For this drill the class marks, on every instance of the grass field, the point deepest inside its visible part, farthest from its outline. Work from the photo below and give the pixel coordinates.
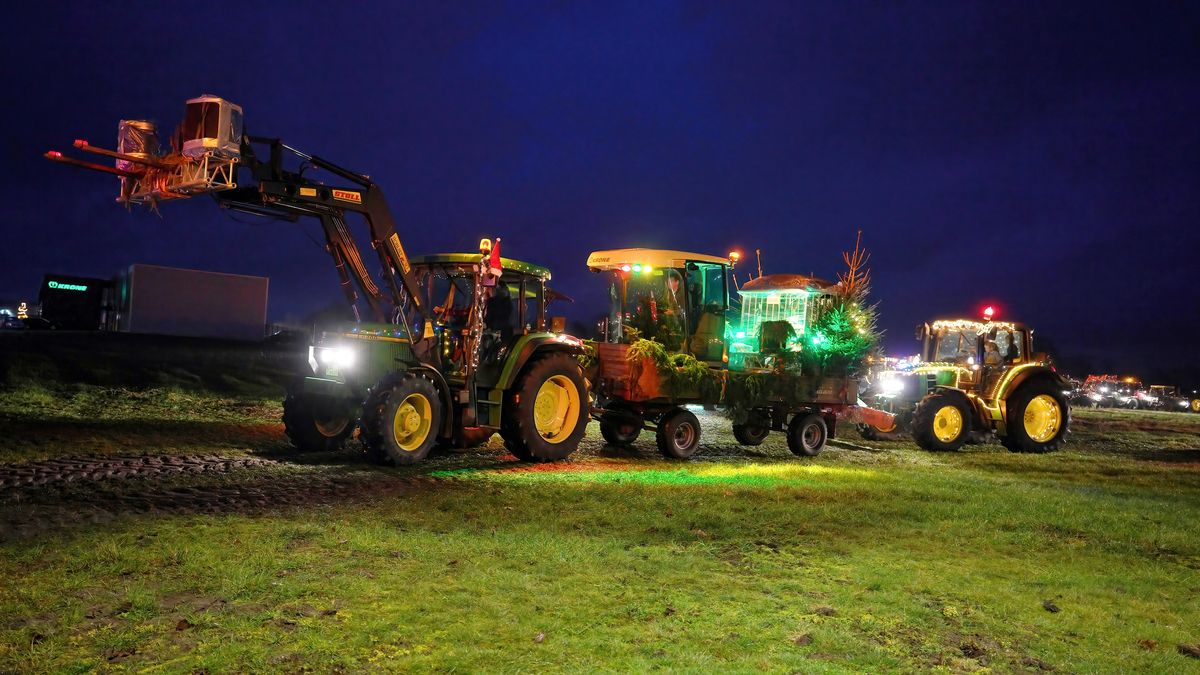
(872, 557)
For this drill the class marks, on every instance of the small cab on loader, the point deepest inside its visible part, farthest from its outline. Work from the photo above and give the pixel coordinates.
(975, 378)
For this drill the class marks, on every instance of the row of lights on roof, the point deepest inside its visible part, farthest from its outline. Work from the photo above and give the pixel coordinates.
(646, 269)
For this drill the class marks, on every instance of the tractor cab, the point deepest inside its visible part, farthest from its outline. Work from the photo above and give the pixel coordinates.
(967, 352)
(675, 297)
(514, 306)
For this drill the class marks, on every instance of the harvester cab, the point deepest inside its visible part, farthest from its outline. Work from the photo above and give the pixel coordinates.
(417, 372)
(975, 378)
(677, 298)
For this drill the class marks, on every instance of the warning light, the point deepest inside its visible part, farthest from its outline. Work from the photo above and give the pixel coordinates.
(989, 312)
(735, 256)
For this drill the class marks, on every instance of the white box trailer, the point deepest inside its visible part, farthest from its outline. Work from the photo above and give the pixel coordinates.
(192, 303)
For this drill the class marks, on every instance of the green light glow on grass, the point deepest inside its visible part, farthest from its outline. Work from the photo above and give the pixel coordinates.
(754, 475)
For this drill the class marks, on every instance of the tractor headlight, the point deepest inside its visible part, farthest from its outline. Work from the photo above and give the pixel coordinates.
(892, 385)
(1183, 404)
(1094, 397)
(341, 356)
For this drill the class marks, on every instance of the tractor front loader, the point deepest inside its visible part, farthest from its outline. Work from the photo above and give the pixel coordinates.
(417, 372)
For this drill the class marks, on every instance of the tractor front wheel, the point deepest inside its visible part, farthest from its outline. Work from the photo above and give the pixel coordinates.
(941, 422)
(1038, 417)
(547, 413)
(312, 426)
(402, 419)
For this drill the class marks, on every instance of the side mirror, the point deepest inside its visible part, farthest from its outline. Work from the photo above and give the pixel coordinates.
(558, 324)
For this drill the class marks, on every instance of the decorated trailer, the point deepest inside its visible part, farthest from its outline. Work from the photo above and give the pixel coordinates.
(672, 339)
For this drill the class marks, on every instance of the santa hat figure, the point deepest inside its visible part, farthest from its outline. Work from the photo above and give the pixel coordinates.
(494, 267)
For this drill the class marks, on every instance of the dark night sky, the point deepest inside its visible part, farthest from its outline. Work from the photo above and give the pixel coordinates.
(1044, 155)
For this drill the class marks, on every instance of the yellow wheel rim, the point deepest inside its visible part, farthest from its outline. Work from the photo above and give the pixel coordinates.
(413, 420)
(556, 409)
(1196, 405)
(947, 424)
(1043, 418)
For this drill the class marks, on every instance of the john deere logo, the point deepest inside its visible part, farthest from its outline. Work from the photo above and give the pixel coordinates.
(58, 285)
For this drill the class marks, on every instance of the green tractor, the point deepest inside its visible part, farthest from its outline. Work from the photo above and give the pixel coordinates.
(528, 385)
(975, 379)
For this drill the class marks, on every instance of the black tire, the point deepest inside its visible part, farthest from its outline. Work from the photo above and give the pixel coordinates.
(678, 434)
(310, 428)
(619, 427)
(562, 427)
(933, 432)
(753, 432)
(807, 434)
(402, 441)
(1028, 430)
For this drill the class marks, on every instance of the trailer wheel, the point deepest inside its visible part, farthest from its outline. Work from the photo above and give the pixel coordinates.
(619, 427)
(806, 434)
(678, 434)
(310, 427)
(941, 422)
(1038, 419)
(753, 432)
(402, 417)
(548, 410)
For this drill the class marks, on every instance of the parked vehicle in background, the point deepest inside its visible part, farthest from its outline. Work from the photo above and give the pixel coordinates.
(1169, 398)
(1112, 391)
(40, 323)
(11, 323)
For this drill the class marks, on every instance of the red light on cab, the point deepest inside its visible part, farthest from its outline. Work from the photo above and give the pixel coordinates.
(989, 312)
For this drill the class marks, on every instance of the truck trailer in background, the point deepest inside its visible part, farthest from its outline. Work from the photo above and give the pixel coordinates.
(74, 303)
(192, 303)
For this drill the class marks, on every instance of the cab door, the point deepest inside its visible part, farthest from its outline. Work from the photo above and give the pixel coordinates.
(708, 300)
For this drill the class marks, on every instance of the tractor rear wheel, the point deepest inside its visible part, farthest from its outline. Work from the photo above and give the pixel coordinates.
(941, 422)
(311, 426)
(678, 434)
(619, 427)
(402, 418)
(547, 412)
(807, 434)
(1038, 418)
